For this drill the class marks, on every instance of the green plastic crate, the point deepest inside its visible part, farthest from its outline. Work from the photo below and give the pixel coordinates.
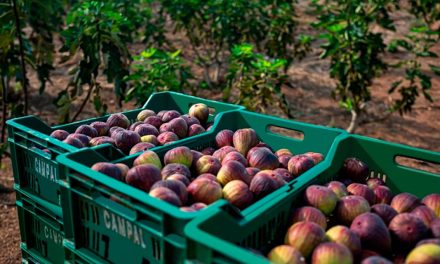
(37, 171)
(158, 224)
(41, 234)
(221, 236)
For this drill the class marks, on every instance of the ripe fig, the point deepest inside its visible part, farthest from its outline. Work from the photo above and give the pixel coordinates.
(108, 169)
(263, 159)
(425, 214)
(126, 139)
(435, 227)
(362, 190)
(176, 186)
(308, 213)
(338, 188)
(59, 134)
(253, 149)
(74, 142)
(191, 120)
(282, 152)
(170, 115)
(433, 202)
(124, 170)
(343, 235)
(178, 177)
(165, 127)
(182, 155)
(384, 211)
(365, 253)
(332, 253)
(143, 176)
(355, 169)
(161, 113)
(321, 197)
(141, 147)
(234, 155)
(404, 202)
(146, 129)
(205, 191)
(284, 254)
(100, 127)
(224, 138)
(102, 140)
(252, 171)
(119, 120)
(148, 157)
(407, 229)
(174, 168)
(265, 182)
(285, 174)
(199, 206)
(154, 121)
(166, 195)
(113, 130)
(426, 254)
(435, 241)
(376, 260)
(144, 114)
(372, 231)
(87, 130)
(316, 157)
(299, 164)
(150, 139)
(199, 111)
(207, 164)
(382, 194)
(237, 193)
(209, 126)
(244, 139)
(166, 138)
(179, 127)
(208, 151)
(85, 140)
(188, 209)
(134, 125)
(207, 176)
(233, 170)
(195, 129)
(374, 182)
(304, 236)
(349, 207)
(196, 156)
(284, 160)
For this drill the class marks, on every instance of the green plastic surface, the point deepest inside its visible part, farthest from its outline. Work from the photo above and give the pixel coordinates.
(37, 172)
(222, 237)
(102, 210)
(41, 234)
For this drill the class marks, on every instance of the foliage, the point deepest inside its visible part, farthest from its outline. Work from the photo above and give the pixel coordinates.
(156, 70)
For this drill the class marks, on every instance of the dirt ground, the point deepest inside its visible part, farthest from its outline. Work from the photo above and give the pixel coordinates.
(310, 101)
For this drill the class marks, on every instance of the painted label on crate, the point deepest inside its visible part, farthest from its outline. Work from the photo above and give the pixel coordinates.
(51, 234)
(45, 169)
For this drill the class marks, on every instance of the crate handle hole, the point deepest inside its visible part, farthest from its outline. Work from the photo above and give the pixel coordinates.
(286, 132)
(418, 164)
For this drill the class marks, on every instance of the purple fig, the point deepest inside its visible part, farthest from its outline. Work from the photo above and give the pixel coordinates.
(253, 149)
(355, 169)
(233, 170)
(199, 206)
(263, 159)
(372, 231)
(224, 138)
(284, 160)
(252, 171)
(282, 152)
(208, 151)
(404, 202)
(141, 147)
(305, 236)
(113, 130)
(199, 111)
(102, 140)
(265, 182)
(59, 134)
(343, 235)
(237, 193)
(150, 139)
(285, 174)
(166, 195)
(166, 138)
(134, 125)
(207, 176)
(182, 155)
(376, 260)
(87, 130)
(286, 254)
(146, 129)
(330, 252)
(384, 211)
(174, 168)
(161, 113)
(195, 129)
(244, 139)
(435, 241)
(179, 127)
(234, 155)
(144, 114)
(85, 140)
(154, 121)
(205, 191)
(100, 127)
(108, 169)
(365, 253)
(74, 142)
(308, 213)
(299, 164)
(143, 176)
(349, 207)
(338, 188)
(170, 115)
(221, 153)
(426, 254)
(124, 170)
(191, 120)
(126, 139)
(119, 120)
(207, 164)
(425, 214)
(209, 126)
(374, 182)
(382, 194)
(178, 177)
(196, 157)
(315, 156)
(433, 202)
(321, 197)
(148, 157)
(176, 186)
(165, 127)
(362, 190)
(406, 229)
(435, 227)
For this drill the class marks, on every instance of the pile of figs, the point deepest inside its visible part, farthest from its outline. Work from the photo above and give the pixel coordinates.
(151, 129)
(241, 169)
(356, 220)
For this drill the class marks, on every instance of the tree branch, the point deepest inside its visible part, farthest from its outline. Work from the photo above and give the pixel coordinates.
(353, 123)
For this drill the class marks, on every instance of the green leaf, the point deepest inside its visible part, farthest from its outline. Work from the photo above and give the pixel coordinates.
(435, 69)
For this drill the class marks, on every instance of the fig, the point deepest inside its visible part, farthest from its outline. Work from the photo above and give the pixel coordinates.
(308, 213)
(209, 126)
(85, 140)
(176, 186)
(150, 139)
(74, 142)
(112, 131)
(299, 164)
(143, 176)
(233, 170)
(196, 156)
(126, 139)
(124, 170)
(429, 241)
(425, 214)
(154, 121)
(87, 130)
(404, 202)
(208, 151)
(166, 138)
(435, 227)
(373, 232)
(349, 207)
(191, 120)
(284, 160)
(179, 177)
(221, 153)
(102, 140)
(199, 111)
(119, 120)
(384, 211)
(265, 182)
(263, 159)
(108, 169)
(426, 254)
(355, 169)
(234, 155)
(343, 235)
(382, 194)
(146, 129)
(198, 206)
(237, 193)
(433, 202)
(282, 152)
(195, 129)
(207, 176)
(166, 195)
(101, 127)
(374, 182)
(285, 174)
(224, 138)
(407, 229)
(321, 197)
(204, 191)
(182, 155)
(148, 157)
(332, 253)
(170, 115)
(174, 168)
(338, 188)
(304, 236)
(244, 139)
(376, 260)
(134, 125)
(362, 190)
(187, 209)
(315, 156)
(365, 253)
(161, 113)
(144, 114)
(285, 254)
(59, 134)
(141, 147)
(165, 127)
(261, 144)
(207, 164)
(179, 127)
(252, 171)
(253, 149)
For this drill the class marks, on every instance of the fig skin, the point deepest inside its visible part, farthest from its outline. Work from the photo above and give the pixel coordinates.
(113, 130)
(166, 138)
(207, 164)
(406, 229)
(140, 147)
(382, 194)
(282, 152)
(154, 121)
(252, 171)
(85, 140)
(263, 159)
(234, 155)
(221, 152)
(170, 115)
(435, 227)
(207, 176)
(315, 156)
(224, 138)
(178, 177)
(373, 232)
(299, 164)
(374, 182)
(179, 127)
(244, 139)
(433, 202)
(285, 174)
(191, 120)
(355, 169)
(102, 140)
(238, 194)
(101, 127)
(284, 160)
(350, 207)
(338, 188)
(108, 169)
(143, 176)
(146, 129)
(124, 170)
(182, 155)
(126, 139)
(74, 142)
(376, 260)
(426, 254)
(330, 252)
(425, 214)
(148, 157)
(384, 211)
(174, 185)
(304, 236)
(199, 111)
(87, 130)
(232, 170)
(343, 235)
(150, 139)
(166, 195)
(404, 202)
(198, 206)
(195, 129)
(59, 134)
(322, 198)
(362, 190)
(119, 120)
(205, 191)
(285, 254)
(265, 182)
(208, 151)
(144, 114)
(309, 213)
(174, 168)
(429, 241)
